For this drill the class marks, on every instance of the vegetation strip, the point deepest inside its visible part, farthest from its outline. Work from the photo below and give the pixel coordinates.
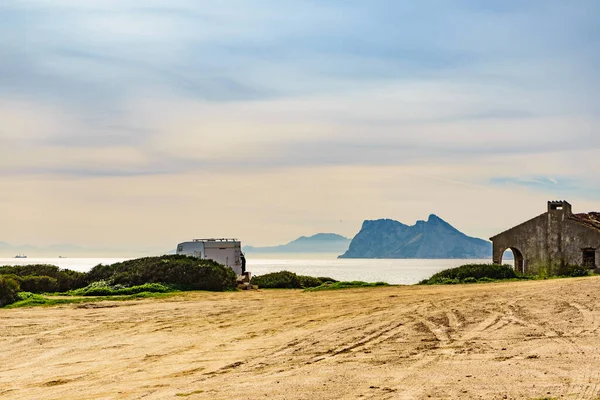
(345, 285)
(26, 299)
(480, 273)
(24, 286)
(142, 277)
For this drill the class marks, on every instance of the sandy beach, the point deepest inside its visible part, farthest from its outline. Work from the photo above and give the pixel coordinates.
(536, 339)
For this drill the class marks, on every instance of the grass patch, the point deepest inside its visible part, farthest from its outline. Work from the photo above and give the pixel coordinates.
(102, 288)
(345, 285)
(473, 273)
(27, 299)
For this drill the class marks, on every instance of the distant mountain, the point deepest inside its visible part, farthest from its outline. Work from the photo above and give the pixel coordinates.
(8, 250)
(434, 238)
(319, 243)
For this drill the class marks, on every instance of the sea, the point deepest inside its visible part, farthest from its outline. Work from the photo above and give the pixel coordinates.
(393, 271)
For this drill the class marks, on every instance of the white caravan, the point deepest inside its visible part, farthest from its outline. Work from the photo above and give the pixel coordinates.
(227, 252)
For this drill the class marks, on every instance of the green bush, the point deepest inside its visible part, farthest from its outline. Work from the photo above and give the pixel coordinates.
(574, 271)
(469, 279)
(183, 271)
(9, 288)
(38, 284)
(102, 272)
(288, 280)
(476, 271)
(278, 280)
(309, 281)
(31, 269)
(65, 279)
(69, 280)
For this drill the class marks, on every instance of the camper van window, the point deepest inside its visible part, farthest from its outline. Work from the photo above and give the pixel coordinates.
(180, 247)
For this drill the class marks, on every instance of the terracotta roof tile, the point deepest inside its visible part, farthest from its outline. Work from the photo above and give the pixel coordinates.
(591, 220)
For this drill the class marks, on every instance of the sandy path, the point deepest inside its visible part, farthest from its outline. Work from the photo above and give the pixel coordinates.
(519, 340)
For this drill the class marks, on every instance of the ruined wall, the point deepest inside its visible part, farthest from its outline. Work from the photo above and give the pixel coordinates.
(548, 243)
(530, 239)
(576, 238)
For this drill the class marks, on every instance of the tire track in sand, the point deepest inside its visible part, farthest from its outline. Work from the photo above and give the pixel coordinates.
(581, 390)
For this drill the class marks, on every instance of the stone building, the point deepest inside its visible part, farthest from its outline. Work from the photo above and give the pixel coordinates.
(552, 241)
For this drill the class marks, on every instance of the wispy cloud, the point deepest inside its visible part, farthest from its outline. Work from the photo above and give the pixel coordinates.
(493, 96)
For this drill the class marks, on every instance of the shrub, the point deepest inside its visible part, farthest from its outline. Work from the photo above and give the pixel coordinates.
(66, 279)
(574, 271)
(127, 277)
(69, 280)
(476, 271)
(278, 280)
(9, 289)
(186, 272)
(38, 284)
(31, 269)
(102, 272)
(309, 281)
(469, 279)
(288, 280)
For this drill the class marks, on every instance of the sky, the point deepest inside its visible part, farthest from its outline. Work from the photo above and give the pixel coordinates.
(138, 124)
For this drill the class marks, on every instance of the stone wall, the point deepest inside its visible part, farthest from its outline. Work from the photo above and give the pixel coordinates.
(548, 243)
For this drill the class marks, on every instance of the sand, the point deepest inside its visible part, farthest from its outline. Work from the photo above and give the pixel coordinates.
(505, 340)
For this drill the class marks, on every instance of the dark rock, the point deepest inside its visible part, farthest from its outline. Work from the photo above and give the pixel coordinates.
(434, 239)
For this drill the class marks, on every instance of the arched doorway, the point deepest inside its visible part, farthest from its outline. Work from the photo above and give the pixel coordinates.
(519, 261)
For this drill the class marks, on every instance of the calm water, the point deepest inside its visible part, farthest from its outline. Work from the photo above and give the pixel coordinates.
(391, 271)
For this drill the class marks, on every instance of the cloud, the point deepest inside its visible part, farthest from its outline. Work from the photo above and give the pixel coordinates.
(489, 97)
